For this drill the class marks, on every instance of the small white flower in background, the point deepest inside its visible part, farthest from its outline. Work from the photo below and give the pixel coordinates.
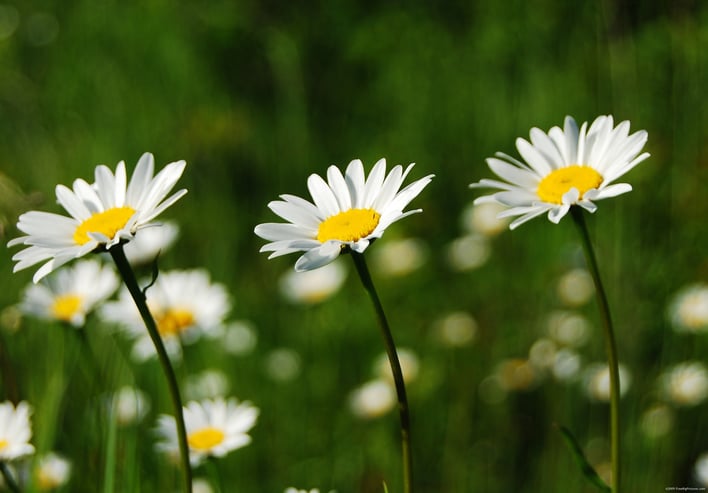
(239, 338)
(566, 366)
(568, 328)
(102, 214)
(206, 384)
(685, 384)
(52, 471)
(313, 286)
(397, 258)
(214, 427)
(151, 242)
(468, 252)
(597, 381)
(70, 294)
(657, 421)
(130, 405)
(15, 431)
(517, 375)
(575, 287)
(201, 485)
(282, 364)
(484, 219)
(562, 168)
(688, 309)
(184, 304)
(349, 212)
(542, 354)
(373, 399)
(410, 365)
(700, 470)
(456, 329)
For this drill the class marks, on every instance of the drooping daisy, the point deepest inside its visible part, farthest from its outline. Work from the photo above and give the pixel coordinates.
(349, 211)
(564, 167)
(52, 471)
(214, 428)
(15, 431)
(184, 304)
(101, 214)
(70, 294)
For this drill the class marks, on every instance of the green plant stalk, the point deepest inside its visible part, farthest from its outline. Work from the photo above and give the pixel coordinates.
(131, 283)
(9, 480)
(610, 346)
(363, 271)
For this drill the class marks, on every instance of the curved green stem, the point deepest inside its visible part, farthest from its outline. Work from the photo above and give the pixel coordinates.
(610, 345)
(131, 283)
(365, 277)
(9, 480)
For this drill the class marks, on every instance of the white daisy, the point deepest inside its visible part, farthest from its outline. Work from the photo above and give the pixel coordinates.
(184, 304)
(214, 428)
(70, 294)
(349, 211)
(564, 167)
(52, 471)
(101, 214)
(15, 431)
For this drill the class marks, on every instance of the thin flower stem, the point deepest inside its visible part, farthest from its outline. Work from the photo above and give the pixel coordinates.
(214, 474)
(610, 346)
(131, 283)
(363, 271)
(9, 480)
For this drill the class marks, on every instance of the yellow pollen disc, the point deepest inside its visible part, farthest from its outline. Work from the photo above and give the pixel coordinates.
(174, 321)
(107, 222)
(558, 182)
(350, 225)
(206, 438)
(3, 444)
(65, 307)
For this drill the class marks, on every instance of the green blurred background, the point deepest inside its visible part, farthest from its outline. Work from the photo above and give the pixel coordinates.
(255, 96)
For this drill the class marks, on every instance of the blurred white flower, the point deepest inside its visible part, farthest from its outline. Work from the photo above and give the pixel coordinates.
(483, 219)
(214, 428)
(152, 241)
(52, 471)
(688, 309)
(282, 364)
(456, 329)
(410, 365)
(206, 384)
(657, 421)
(468, 252)
(568, 328)
(15, 431)
(373, 399)
(701, 469)
(184, 304)
(575, 287)
(398, 258)
(566, 366)
(201, 485)
(313, 286)
(542, 353)
(70, 294)
(517, 374)
(597, 381)
(685, 384)
(239, 338)
(130, 405)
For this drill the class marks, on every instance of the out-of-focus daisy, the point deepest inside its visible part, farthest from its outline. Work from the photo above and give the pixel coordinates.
(575, 287)
(101, 214)
(685, 384)
(542, 353)
(52, 471)
(566, 366)
(70, 294)
(214, 428)
(315, 286)
(207, 384)
(688, 310)
(349, 212)
(373, 399)
(201, 485)
(152, 241)
(657, 421)
(130, 405)
(517, 374)
(597, 381)
(239, 338)
(468, 252)
(15, 431)
(456, 329)
(410, 365)
(282, 364)
(184, 304)
(564, 167)
(701, 469)
(399, 257)
(483, 219)
(568, 328)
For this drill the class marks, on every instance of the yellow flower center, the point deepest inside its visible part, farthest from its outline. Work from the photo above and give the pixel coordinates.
(65, 307)
(559, 181)
(108, 222)
(350, 225)
(174, 321)
(206, 438)
(3, 443)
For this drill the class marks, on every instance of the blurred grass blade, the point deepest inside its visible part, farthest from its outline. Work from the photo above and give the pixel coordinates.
(585, 467)
(110, 466)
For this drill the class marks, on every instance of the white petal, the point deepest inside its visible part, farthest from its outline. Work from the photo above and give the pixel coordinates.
(533, 157)
(354, 176)
(322, 195)
(317, 257)
(339, 187)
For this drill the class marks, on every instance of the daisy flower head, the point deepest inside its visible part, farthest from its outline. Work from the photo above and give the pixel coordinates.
(71, 294)
(348, 211)
(185, 305)
(563, 168)
(214, 428)
(101, 214)
(15, 431)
